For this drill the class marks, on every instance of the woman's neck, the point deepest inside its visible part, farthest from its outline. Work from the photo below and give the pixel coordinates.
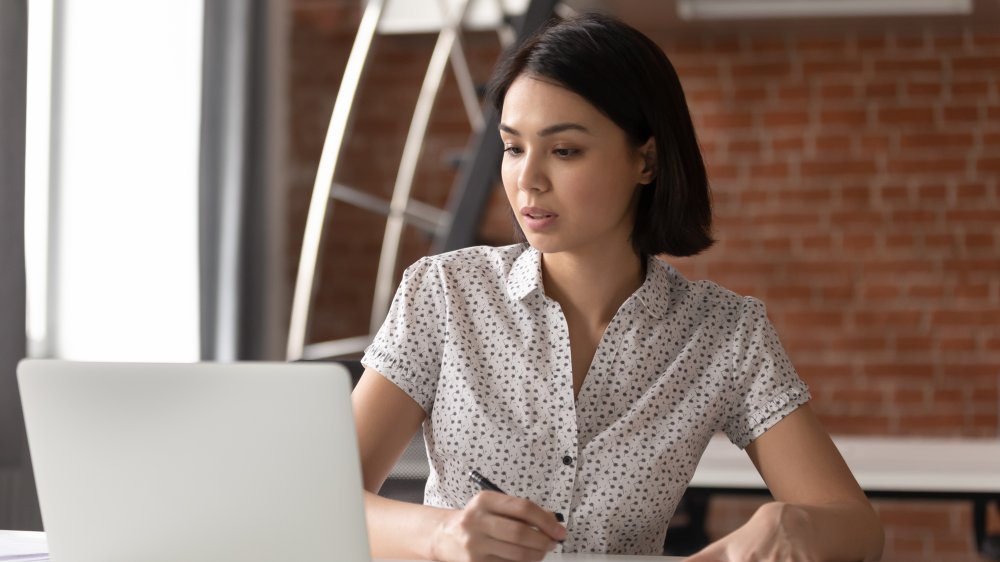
(592, 287)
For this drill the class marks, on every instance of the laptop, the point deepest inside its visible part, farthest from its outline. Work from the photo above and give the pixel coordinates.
(196, 462)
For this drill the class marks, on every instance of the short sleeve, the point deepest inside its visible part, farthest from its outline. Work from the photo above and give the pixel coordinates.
(407, 348)
(766, 387)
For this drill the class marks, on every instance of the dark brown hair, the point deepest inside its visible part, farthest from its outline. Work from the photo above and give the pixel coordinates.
(627, 77)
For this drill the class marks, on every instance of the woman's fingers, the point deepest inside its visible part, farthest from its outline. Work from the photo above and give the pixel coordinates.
(522, 510)
(495, 527)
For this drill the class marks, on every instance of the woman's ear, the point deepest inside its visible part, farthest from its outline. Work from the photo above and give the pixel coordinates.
(648, 154)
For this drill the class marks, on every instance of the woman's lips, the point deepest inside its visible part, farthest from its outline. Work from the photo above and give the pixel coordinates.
(536, 218)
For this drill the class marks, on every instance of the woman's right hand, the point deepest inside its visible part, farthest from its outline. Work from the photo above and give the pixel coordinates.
(495, 527)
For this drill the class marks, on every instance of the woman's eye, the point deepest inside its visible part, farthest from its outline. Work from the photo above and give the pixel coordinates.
(512, 150)
(565, 152)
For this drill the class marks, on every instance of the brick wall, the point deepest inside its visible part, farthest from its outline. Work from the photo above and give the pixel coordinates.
(855, 181)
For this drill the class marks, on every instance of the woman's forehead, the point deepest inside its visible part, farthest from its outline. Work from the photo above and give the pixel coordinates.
(534, 103)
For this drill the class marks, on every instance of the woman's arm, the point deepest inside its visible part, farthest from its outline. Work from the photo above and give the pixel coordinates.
(493, 526)
(820, 513)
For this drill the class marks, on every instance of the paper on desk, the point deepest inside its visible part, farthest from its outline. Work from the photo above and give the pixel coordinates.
(23, 546)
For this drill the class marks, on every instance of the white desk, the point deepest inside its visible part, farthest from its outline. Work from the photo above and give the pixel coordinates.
(882, 465)
(19, 542)
(588, 558)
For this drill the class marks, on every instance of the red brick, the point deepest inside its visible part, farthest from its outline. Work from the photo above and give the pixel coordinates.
(974, 267)
(973, 370)
(936, 140)
(744, 94)
(852, 117)
(872, 43)
(834, 293)
(908, 66)
(979, 240)
(926, 291)
(821, 44)
(930, 423)
(914, 343)
(957, 344)
(794, 92)
(832, 143)
(899, 267)
(911, 42)
(792, 118)
(959, 114)
(888, 318)
(858, 242)
(988, 164)
(856, 194)
(932, 193)
(979, 64)
(941, 165)
(857, 425)
(726, 120)
(907, 515)
(909, 396)
(990, 318)
(948, 42)
(989, 394)
(838, 91)
(923, 89)
(903, 240)
(769, 70)
(838, 167)
(867, 396)
(874, 142)
(972, 89)
(881, 292)
(768, 45)
(697, 71)
(704, 95)
(984, 38)
(850, 67)
(814, 318)
(906, 115)
(971, 191)
(881, 90)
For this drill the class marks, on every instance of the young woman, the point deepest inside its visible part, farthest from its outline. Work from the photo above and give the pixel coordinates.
(577, 372)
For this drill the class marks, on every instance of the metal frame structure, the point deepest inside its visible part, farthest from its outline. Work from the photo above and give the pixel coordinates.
(453, 228)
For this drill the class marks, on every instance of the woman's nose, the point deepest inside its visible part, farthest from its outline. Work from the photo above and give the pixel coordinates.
(532, 176)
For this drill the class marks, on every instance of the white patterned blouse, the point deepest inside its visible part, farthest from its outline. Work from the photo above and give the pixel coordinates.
(472, 338)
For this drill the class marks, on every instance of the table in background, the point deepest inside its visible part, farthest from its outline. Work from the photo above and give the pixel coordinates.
(918, 468)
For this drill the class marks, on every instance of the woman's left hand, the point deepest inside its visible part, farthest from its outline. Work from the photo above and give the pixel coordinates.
(777, 532)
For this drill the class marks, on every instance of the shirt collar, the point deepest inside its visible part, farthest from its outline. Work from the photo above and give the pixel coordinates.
(526, 276)
(654, 293)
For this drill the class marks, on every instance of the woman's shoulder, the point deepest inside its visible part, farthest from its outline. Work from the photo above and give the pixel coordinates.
(701, 294)
(498, 259)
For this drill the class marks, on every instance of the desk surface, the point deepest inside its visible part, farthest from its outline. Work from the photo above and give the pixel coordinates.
(589, 558)
(880, 464)
(25, 543)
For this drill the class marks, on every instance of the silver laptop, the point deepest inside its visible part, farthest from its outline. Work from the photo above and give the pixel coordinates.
(223, 462)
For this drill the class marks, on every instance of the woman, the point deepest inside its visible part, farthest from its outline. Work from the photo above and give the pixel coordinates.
(576, 371)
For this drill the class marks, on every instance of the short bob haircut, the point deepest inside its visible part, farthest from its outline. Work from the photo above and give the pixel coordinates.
(627, 77)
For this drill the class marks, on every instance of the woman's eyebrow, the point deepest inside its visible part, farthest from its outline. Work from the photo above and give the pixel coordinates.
(550, 130)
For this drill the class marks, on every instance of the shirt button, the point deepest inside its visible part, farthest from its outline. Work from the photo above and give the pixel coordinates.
(567, 460)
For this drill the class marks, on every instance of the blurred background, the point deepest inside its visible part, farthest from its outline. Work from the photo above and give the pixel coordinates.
(173, 148)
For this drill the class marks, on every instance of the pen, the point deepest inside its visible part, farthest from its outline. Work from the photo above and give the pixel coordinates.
(485, 484)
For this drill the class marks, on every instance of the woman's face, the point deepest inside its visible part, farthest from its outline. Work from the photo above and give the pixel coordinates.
(569, 172)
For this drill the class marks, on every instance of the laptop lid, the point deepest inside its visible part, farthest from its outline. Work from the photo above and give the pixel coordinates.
(195, 462)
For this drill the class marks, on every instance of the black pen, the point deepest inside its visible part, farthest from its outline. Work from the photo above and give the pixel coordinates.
(485, 484)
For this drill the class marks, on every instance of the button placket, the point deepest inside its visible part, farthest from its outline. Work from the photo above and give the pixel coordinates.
(568, 430)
